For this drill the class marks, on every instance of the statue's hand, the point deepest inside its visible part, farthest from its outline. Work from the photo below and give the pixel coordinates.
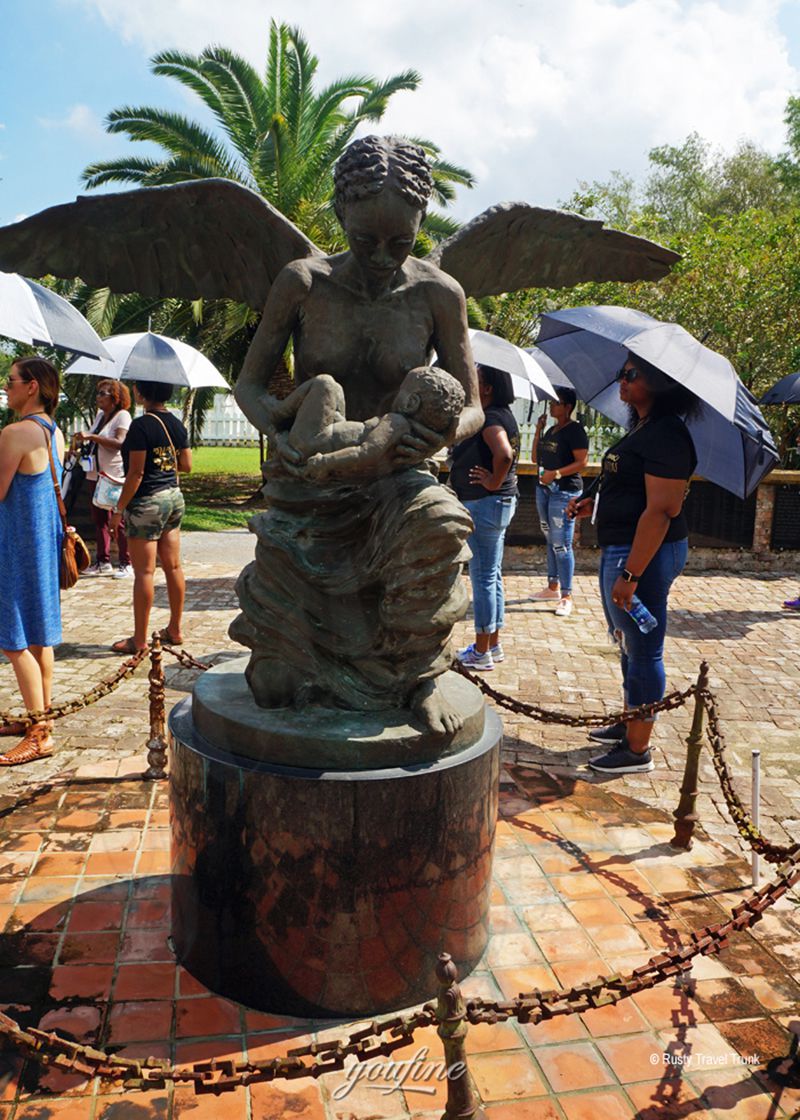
(417, 444)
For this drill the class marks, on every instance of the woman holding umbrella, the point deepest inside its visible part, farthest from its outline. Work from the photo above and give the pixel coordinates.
(484, 477)
(643, 534)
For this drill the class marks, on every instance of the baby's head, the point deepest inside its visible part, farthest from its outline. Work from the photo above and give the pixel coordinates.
(432, 396)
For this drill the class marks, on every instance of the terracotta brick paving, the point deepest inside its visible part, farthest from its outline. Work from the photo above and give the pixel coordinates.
(584, 883)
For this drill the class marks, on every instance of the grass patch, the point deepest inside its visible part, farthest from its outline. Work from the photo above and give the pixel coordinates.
(222, 491)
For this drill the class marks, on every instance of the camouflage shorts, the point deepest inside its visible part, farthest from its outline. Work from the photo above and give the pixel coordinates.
(149, 518)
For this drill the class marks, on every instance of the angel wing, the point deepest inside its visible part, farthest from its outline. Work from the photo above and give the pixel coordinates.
(217, 239)
(209, 238)
(513, 245)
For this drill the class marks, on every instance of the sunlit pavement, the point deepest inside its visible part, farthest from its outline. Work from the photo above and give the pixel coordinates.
(585, 882)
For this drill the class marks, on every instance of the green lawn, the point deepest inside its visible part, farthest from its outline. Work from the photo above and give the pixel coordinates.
(222, 490)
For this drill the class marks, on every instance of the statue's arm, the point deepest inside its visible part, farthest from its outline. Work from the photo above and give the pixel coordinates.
(266, 350)
(454, 352)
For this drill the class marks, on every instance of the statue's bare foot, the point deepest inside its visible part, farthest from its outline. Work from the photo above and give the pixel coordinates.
(436, 713)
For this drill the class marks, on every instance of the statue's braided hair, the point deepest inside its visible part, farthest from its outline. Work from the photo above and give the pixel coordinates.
(375, 162)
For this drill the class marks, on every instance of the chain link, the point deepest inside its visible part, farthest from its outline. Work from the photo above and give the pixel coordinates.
(772, 853)
(69, 707)
(185, 658)
(533, 1007)
(546, 715)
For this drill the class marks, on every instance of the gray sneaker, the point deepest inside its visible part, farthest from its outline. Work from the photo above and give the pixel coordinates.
(613, 734)
(622, 760)
(100, 569)
(124, 571)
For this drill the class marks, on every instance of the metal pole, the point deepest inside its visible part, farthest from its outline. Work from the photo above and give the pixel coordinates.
(686, 814)
(755, 809)
(157, 743)
(462, 1101)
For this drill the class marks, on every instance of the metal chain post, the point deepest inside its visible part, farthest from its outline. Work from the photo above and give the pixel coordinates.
(157, 743)
(686, 813)
(451, 1013)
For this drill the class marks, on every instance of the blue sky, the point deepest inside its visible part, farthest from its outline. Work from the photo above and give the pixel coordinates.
(543, 96)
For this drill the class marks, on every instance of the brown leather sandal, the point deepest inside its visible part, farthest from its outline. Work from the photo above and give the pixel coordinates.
(167, 639)
(38, 743)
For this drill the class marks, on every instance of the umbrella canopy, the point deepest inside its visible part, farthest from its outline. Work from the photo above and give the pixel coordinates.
(154, 357)
(528, 379)
(734, 446)
(33, 314)
(785, 391)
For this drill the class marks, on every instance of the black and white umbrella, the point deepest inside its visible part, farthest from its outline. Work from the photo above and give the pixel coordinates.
(154, 357)
(33, 314)
(528, 379)
(785, 391)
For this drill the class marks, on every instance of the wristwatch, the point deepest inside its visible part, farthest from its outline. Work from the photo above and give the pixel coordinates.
(557, 475)
(629, 577)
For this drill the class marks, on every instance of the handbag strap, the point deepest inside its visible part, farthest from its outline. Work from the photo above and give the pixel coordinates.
(172, 445)
(49, 441)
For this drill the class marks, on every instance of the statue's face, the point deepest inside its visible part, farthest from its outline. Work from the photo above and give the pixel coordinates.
(381, 232)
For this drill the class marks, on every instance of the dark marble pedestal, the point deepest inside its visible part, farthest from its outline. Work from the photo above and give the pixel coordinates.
(329, 892)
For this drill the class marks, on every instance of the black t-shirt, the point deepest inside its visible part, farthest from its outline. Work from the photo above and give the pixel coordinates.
(662, 448)
(475, 452)
(146, 434)
(557, 447)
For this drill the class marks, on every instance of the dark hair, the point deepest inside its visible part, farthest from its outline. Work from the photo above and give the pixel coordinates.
(158, 391)
(46, 376)
(669, 397)
(566, 395)
(500, 384)
(118, 391)
(370, 165)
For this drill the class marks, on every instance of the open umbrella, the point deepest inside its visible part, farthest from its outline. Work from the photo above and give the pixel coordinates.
(785, 391)
(734, 446)
(528, 379)
(154, 357)
(33, 314)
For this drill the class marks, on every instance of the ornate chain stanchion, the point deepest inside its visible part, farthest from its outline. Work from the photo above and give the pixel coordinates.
(157, 743)
(451, 1012)
(686, 813)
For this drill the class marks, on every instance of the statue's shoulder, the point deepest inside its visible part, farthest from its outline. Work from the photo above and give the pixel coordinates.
(441, 284)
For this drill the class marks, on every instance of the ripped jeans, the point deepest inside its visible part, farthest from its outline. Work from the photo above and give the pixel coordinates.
(558, 532)
(641, 655)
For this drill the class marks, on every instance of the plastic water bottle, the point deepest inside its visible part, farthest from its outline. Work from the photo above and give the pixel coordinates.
(642, 616)
(550, 485)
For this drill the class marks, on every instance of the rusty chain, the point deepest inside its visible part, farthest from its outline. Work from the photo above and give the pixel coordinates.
(69, 707)
(218, 1074)
(185, 658)
(772, 853)
(535, 1006)
(669, 703)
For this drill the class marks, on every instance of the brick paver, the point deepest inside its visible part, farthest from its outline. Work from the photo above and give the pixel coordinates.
(584, 882)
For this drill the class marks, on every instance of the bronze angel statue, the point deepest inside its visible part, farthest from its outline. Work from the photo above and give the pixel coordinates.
(356, 583)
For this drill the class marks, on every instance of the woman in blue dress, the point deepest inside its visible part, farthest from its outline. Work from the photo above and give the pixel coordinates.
(30, 547)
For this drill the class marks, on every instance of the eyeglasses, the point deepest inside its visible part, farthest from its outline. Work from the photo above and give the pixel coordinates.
(628, 374)
(15, 381)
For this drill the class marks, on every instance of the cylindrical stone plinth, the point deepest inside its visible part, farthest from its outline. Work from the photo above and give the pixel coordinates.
(329, 892)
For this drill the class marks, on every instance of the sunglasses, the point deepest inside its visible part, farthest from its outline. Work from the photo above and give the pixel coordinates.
(628, 374)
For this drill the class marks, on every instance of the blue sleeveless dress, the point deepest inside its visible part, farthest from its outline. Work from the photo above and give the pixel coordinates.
(30, 555)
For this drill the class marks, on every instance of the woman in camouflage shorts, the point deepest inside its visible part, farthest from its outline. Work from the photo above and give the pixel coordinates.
(155, 451)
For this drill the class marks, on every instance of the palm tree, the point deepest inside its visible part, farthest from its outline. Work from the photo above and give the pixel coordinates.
(280, 137)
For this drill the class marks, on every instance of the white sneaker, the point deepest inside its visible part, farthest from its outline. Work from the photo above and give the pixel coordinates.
(564, 608)
(124, 571)
(471, 659)
(104, 569)
(545, 595)
(497, 653)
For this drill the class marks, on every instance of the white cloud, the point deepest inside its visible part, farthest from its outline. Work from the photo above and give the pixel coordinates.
(529, 95)
(80, 120)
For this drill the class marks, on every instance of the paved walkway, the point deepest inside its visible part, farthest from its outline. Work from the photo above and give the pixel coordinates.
(585, 883)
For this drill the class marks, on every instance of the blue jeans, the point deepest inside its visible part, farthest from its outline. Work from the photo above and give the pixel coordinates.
(490, 518)
(642, 655)
(558, 532)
